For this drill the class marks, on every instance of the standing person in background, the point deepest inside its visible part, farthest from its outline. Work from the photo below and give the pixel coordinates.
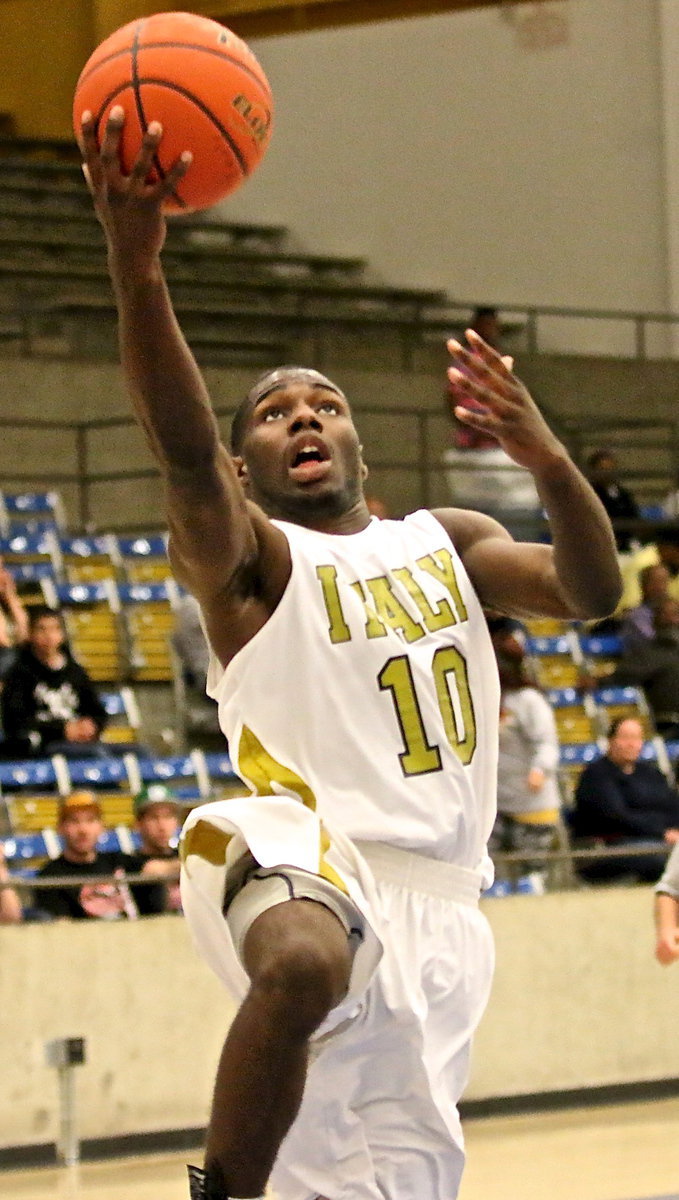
(620, 504)
(528, 798)
(357, 688)
(666, 911)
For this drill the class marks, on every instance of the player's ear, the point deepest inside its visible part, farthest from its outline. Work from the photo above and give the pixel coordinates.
(240, 467)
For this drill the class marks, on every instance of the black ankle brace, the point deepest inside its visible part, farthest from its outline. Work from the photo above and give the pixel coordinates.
(204, 1186)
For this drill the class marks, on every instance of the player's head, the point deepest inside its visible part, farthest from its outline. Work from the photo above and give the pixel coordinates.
(296, 447)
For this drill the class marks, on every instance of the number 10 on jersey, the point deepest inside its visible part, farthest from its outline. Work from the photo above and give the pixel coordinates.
(449, 670)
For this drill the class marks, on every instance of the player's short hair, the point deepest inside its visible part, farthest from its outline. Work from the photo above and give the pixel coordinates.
(241, 417)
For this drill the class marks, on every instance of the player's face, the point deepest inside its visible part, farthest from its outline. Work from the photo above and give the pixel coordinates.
(157, 826)
(301, 453)
(81, 830)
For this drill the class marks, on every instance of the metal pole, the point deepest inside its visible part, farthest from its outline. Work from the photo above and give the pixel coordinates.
(68, 1146)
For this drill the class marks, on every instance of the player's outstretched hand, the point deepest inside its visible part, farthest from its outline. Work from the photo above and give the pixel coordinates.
(128, 207)
(507, 410)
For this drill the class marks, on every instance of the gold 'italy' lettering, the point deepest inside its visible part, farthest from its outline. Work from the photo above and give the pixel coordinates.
(434, 618)
(442, 567)
(338, 629)
(391, 611)
(374, 628)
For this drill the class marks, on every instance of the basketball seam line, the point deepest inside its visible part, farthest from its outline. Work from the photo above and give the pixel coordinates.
(188, 96)
(140, 109)
(236, 62)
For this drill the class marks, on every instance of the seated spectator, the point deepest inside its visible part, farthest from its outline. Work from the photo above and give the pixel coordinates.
(637, 623)
(665, 550)
(49, 703)
(13, 621)
(620, 504)
(157, 811)
(528, 798)
(666, 911)
(190, 643)
(622, 801)
(10, 904)
(653, 664)
(80, 827)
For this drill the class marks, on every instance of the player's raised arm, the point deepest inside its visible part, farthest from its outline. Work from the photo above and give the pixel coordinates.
(216, 538)
(578, 575)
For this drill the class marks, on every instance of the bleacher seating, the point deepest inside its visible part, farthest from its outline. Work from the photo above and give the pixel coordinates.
(90, 559)
(91, 616)
(147, 610)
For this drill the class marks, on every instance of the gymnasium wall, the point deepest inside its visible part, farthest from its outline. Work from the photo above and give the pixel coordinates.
(578, 1001)
(438, 147)
(451, 156)
(39, 390)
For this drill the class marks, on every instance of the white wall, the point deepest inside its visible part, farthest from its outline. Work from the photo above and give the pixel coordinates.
(449, 156)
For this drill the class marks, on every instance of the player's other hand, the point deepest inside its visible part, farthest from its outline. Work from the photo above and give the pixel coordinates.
(507, 411)
(667, 948)
(128, 206)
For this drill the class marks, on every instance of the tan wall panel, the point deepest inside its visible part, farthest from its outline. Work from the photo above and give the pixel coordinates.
(134, 503)
(578, 1001)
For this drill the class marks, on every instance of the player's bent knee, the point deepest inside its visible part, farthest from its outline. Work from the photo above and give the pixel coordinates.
(295, 933)
(304, 975)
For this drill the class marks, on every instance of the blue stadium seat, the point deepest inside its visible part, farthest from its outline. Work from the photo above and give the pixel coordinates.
(565, 697)
(608, 696)
(604, 646)
(219, 767)
(578, 754)
(548, 645)
(28, 773)
(97, 772)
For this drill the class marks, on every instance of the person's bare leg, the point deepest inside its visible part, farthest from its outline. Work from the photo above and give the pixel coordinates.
(298, 959)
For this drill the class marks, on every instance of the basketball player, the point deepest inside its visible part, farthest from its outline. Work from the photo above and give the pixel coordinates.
(357, 688)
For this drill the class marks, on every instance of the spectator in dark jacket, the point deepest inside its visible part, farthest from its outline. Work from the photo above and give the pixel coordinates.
(620, 504)
(653, 664)
(621, 800)
(49, 703)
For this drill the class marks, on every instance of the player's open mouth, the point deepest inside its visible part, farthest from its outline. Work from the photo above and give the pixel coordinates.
(310, 461)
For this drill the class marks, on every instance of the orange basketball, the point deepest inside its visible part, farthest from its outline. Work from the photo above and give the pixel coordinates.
(201, 82)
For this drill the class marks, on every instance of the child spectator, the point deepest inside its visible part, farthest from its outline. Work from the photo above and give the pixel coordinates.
(49, 703)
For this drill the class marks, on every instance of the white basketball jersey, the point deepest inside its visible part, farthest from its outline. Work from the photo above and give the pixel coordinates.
(371, 693)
